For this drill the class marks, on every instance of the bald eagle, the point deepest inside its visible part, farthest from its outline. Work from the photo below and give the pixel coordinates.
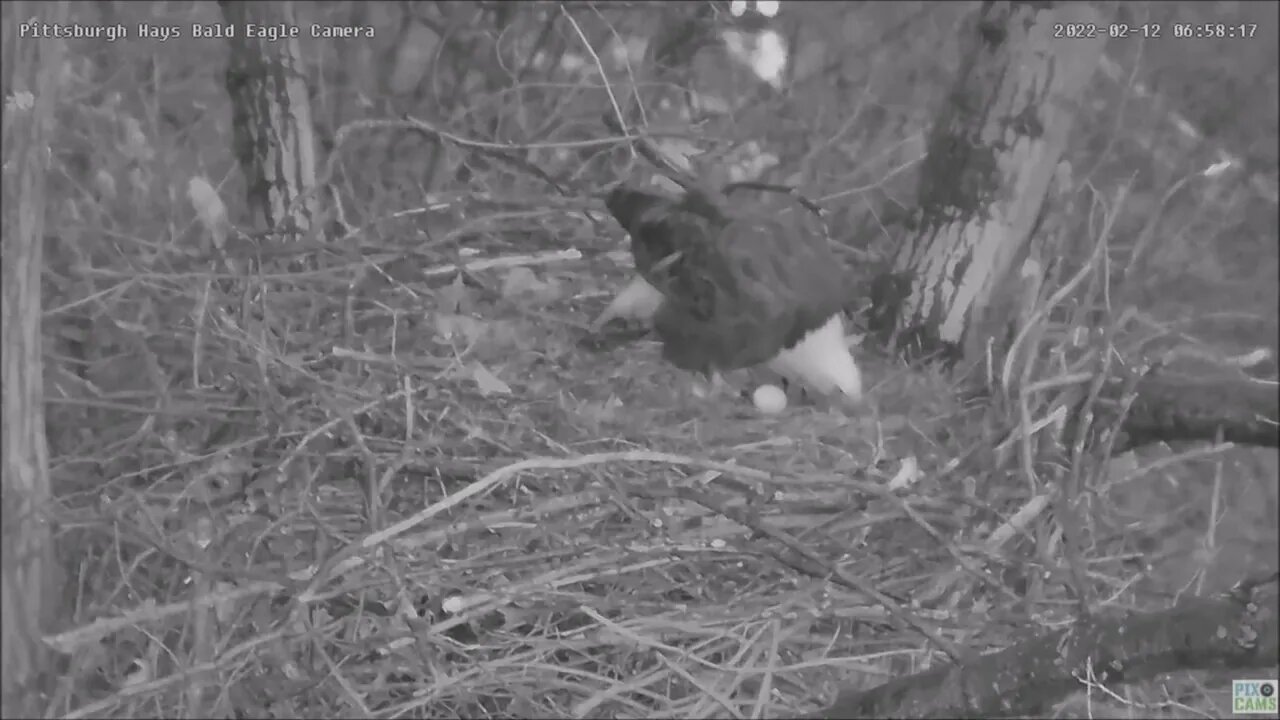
(726, 291)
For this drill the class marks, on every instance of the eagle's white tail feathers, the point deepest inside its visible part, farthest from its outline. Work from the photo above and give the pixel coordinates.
(637, 301)
(822, 361)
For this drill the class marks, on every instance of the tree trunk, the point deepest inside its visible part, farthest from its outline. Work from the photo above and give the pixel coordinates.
(991, 158)
(30, 589)
(271, 117)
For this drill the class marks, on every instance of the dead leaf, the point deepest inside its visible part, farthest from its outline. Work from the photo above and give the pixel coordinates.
(225, 610)
(487, 382)
(520, 281)
(603, 411)
(209, 209)
(105, 184)
(451, 327)
(907, 475)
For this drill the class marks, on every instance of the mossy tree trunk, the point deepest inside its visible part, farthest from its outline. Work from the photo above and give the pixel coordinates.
(271, 117)
(991, 158)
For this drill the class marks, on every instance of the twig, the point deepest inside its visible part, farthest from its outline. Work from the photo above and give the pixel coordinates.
(651, 152)
(506, 261)
(604, 77)
(791, 190)
(347, 557)
(751, 520)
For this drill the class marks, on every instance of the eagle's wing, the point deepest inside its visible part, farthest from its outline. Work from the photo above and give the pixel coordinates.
(737, 290)
(789, 251)
(725, 307)
(815, 350)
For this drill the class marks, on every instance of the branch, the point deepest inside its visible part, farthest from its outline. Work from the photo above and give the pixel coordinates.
(1232, 630)
(505, 261)
(686, 179)
(1170, 408)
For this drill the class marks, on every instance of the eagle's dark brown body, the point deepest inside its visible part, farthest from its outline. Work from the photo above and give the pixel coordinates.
(740, 289)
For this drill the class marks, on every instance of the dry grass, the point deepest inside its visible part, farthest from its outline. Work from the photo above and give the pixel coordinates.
(334, 482)
(587, 540)
(555, 520)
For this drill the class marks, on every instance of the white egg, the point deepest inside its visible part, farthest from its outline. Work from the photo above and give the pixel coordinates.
(769, 399)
